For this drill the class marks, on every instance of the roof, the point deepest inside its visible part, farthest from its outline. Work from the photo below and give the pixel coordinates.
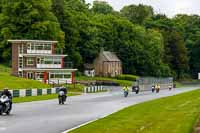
(35, 41)
(44, 55)
(89, 66)
(110, 56)
(49, 69)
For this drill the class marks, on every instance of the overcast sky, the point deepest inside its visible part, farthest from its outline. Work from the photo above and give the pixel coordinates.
(168, 7)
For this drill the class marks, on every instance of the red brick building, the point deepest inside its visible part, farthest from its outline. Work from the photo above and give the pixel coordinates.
(36, 59)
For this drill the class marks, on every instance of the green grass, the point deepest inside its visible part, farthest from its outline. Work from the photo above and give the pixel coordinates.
(121, 82)
(12, 82)
(175, 114)
(38, 98)
(75, 88)
(178, 84)
(6, 80)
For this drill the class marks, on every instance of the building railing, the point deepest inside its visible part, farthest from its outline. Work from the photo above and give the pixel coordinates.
(66, 65)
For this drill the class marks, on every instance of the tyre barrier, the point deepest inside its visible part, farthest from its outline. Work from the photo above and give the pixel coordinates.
(94, 89)
(33, 92)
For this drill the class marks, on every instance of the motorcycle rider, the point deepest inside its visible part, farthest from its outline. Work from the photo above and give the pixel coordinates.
(153, 88)
(9, 95)
(126, 90)
(170, 87)
(64, 89)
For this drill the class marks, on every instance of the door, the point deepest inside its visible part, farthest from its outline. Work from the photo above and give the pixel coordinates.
(30, 75)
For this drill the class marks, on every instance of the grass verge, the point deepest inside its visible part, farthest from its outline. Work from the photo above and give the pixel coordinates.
(120, 82)
(12, 82)
(6, 80)
(175, 114)
(39, 98)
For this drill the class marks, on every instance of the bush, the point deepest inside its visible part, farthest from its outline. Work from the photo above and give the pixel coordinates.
(126, 77)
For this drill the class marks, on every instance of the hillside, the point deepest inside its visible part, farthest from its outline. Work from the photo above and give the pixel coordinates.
(6, 80)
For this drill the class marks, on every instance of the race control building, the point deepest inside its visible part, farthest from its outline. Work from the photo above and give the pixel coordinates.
(37, 60)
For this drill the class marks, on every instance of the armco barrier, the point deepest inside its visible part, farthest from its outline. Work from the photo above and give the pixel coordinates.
(94, 89)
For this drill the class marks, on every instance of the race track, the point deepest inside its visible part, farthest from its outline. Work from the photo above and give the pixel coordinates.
(49, 117)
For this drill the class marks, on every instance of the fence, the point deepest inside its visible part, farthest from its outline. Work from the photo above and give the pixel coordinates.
(93, 89)
(146, 83)
(45, 91)
(33, 92)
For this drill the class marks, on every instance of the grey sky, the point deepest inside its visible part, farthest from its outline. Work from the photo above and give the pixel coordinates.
(168, 7)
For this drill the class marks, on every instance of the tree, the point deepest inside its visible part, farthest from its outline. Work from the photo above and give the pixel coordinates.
(137, 14)
(190, 29)
(27, 20)
(175, 52)
(102, 7)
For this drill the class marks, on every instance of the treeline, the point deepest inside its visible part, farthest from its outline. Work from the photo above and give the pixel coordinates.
(148, 44)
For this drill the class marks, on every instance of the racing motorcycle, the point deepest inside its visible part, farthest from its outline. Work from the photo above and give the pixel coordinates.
(61, 97)
(4, 105)
(125, 93)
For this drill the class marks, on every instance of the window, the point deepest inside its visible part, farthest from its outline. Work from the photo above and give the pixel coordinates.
(67, 76)
(60, 75)
(39, 46)
(20, 74)
(52, 76)
(38, 60)
(32, 47)
(29, 46)
(39, 75)
(30, 75)
(57, 61)
(47, 46)
(20, 62)
(48, 61)
(30, 61)
(41, 60)
(20, 49)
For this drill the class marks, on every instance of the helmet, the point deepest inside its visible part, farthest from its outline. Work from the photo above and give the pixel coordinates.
(5, 89)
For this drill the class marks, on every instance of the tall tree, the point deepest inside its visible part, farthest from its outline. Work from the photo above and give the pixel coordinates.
(28, 20)
(175, 52)
(137, 13)
(102, 7)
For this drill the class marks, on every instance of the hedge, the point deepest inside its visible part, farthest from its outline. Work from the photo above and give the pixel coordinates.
(126, 77)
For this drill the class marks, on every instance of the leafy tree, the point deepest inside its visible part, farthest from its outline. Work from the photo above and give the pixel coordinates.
(137, 14)
(175, 52)
(190, 29)
(27, 20)
(102, 7)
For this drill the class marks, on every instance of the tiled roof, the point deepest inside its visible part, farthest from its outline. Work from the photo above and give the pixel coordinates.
(110, 56)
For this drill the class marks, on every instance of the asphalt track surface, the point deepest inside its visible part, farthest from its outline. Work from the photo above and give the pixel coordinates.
(49, 117)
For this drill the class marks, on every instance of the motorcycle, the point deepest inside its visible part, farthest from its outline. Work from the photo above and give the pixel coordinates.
(152, 89)
(61, 97)
(125, 93)
(5, 105)
(135, 89)
(157, 90)
(170, 88)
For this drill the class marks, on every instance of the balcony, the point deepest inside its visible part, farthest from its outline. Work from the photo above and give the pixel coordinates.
(66, 65)
(49, 66)
(39, 51)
